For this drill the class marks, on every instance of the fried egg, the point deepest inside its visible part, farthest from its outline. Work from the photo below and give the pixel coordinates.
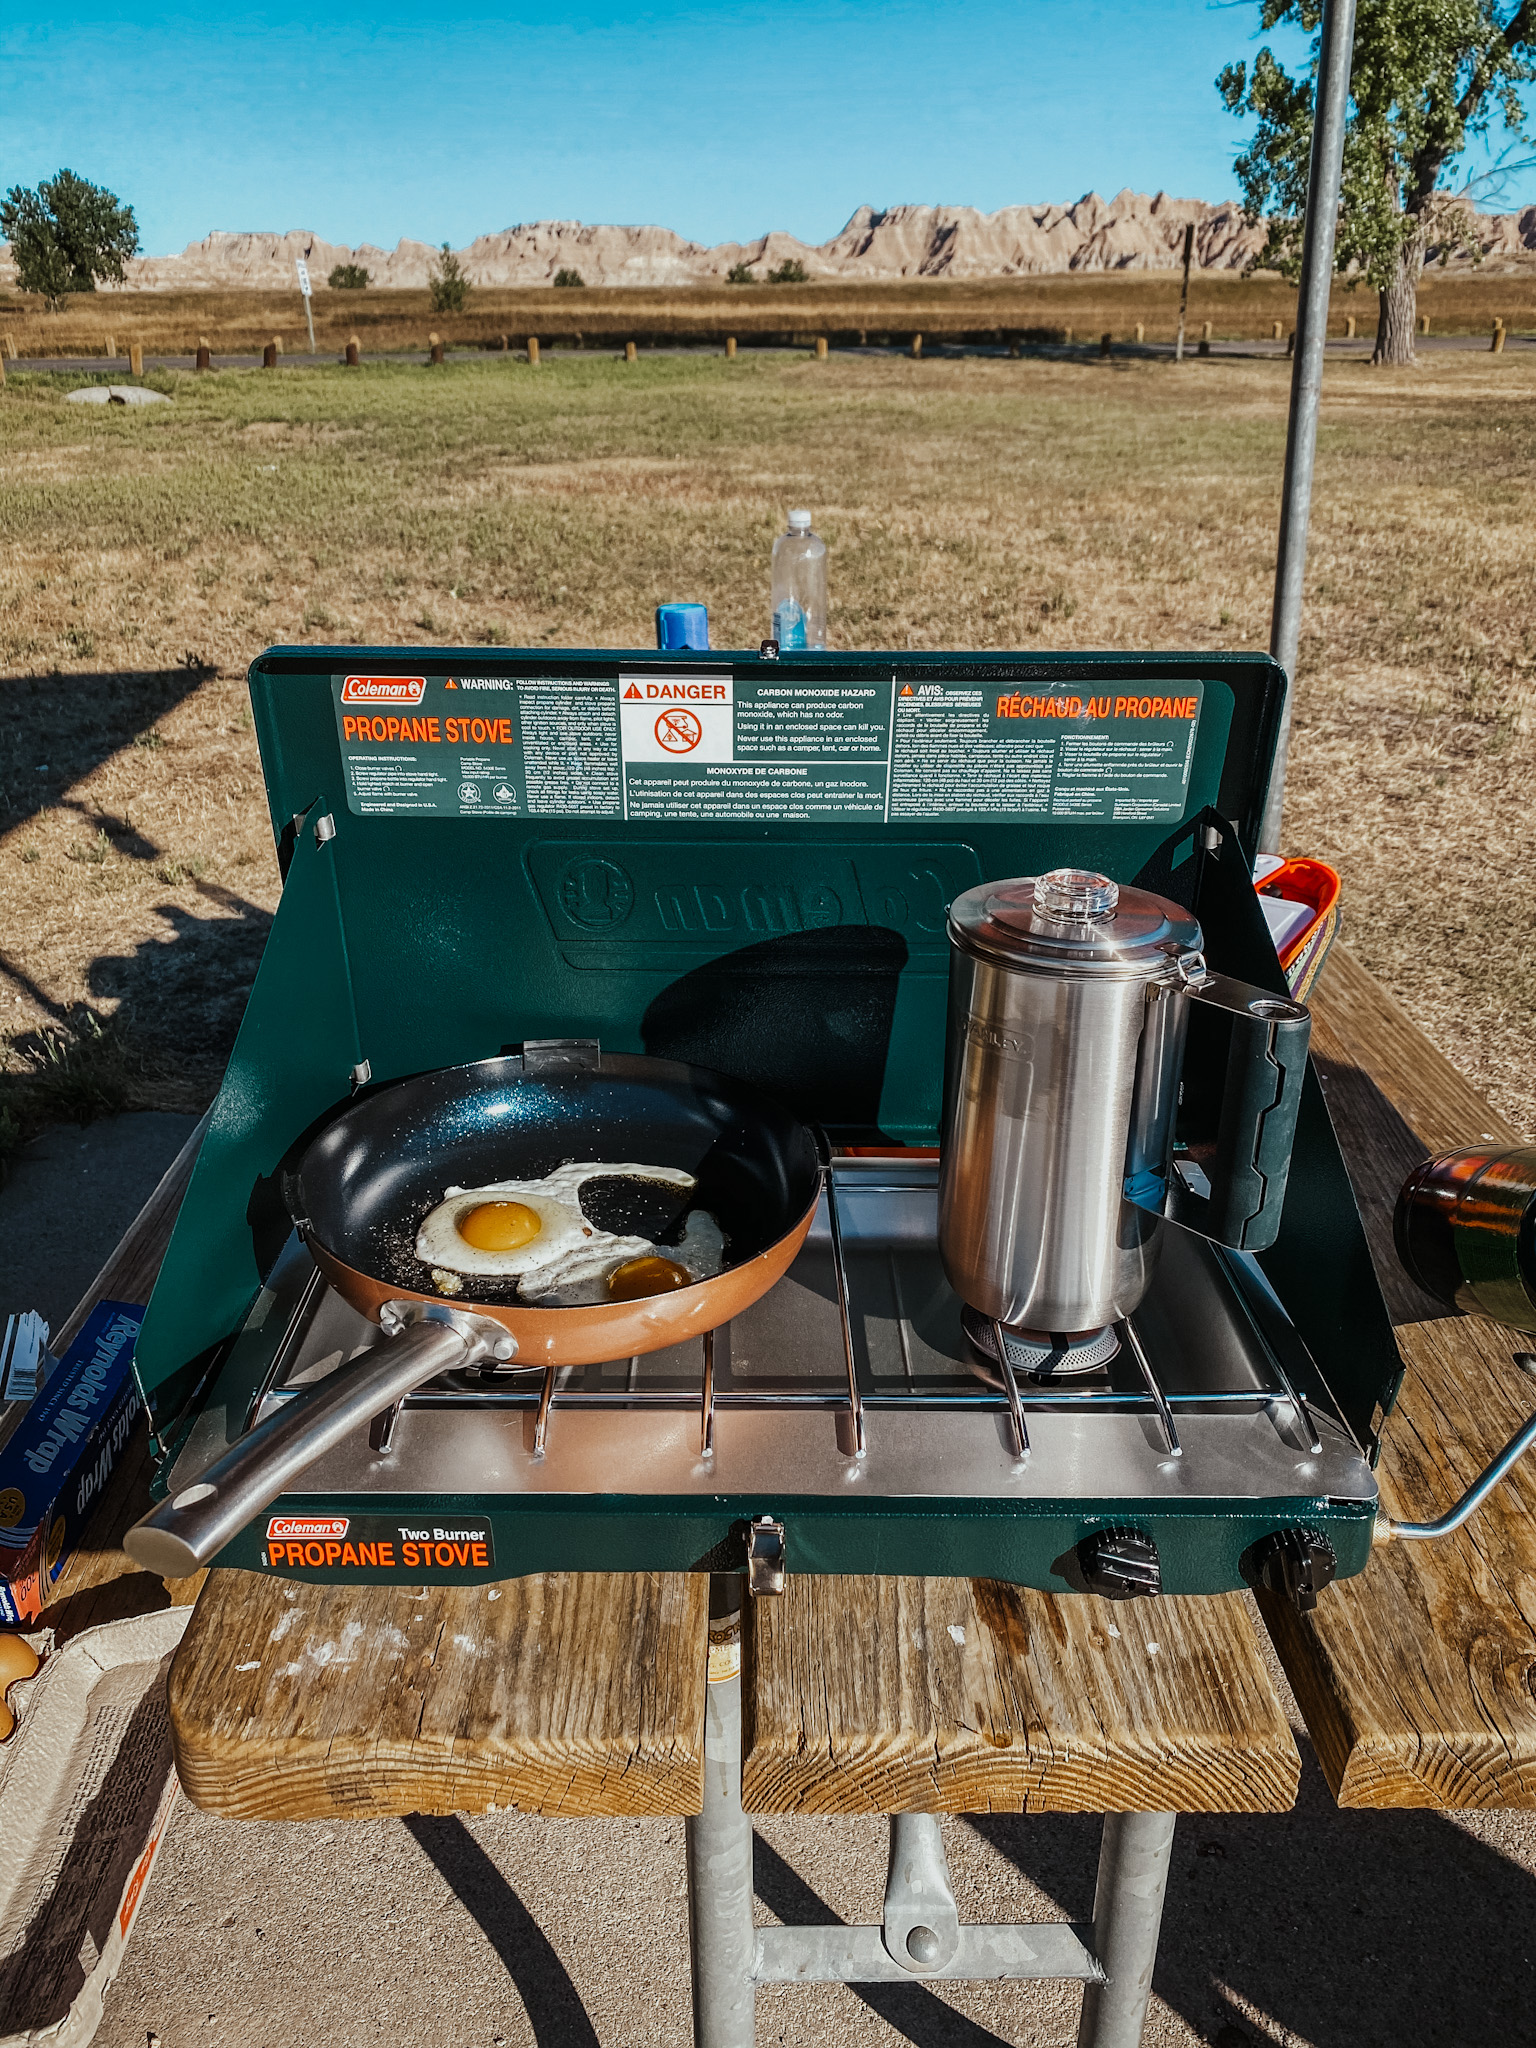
(514, 1229)
(594, 1273)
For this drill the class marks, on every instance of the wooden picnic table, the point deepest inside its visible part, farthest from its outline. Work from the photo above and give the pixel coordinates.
(587, 1695)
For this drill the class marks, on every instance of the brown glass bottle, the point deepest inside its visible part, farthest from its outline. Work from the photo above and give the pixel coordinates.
(1465, 1229)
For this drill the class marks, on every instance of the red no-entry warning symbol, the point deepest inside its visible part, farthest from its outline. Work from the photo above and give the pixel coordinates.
(678, 731)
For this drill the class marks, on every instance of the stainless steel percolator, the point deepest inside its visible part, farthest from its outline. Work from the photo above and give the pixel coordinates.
(1080, 1109)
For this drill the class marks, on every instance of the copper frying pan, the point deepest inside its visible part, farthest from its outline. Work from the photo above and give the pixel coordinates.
(363, 1184)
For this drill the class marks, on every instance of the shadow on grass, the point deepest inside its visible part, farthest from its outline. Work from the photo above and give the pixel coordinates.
(162, 1019)
(56, 730)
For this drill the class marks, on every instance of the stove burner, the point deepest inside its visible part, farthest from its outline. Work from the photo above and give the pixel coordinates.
(1041, 1354)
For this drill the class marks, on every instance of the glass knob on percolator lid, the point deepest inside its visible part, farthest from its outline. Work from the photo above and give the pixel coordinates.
(1076, 893)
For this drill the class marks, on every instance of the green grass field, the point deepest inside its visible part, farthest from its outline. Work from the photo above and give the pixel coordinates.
(150, 554)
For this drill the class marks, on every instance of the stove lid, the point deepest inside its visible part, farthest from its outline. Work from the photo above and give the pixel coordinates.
(1073, 920)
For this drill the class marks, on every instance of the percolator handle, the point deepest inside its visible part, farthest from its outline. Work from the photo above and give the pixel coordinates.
(1245, 1058)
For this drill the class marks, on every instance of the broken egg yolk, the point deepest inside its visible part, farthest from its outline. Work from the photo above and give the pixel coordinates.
(499, 1226)
(637, 1278)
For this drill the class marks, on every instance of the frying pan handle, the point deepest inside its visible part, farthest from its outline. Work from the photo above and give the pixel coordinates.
(421, 1340)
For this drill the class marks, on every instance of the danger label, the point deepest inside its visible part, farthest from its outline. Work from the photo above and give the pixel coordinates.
(776, 744)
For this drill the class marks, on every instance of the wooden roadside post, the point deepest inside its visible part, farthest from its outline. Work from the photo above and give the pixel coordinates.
(1141, 332)
(1189, 251)
(1106, 344)
(434, 348)
(1349, 328)
(111, 349)
(631, 353)
(135, 358)
(1496, 346)
(353, 352)
(277, 343)
(269, 356)
(730, 348)
(917, 345)
(821, 348)
(204, 357)
(1423, 323)
(533, 350)
(1276, 330)
(506, 344)
(1066, 336)
(1205, 337)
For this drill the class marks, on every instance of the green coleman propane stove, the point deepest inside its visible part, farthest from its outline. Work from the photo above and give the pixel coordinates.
(746, 864)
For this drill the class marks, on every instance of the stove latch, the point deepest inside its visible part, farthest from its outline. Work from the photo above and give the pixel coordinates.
(1297, 1563)
(765, 1557)
(1121, 1564)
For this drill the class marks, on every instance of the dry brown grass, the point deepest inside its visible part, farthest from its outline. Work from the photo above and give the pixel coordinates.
(1458, 302)
(981, 504)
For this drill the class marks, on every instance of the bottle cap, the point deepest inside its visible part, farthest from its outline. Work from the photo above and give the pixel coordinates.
(682, 625)
(799, 522)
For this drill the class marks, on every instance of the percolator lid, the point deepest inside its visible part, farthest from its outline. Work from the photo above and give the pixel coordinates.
(1072, 917)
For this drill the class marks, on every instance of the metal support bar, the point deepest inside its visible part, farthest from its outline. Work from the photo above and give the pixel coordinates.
(1127, 1917)
(922, 1922)
(1388, 1530)
(720, 1931)
(1159, 1398)
(1011, 1389)
(845, 1311)
(921, 1936)
(1324, 180)
(858, 1955)
(707, 1399)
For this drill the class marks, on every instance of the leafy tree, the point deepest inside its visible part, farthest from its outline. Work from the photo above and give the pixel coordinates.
(66, 235)
(349, 277)
(740, 273)
(1429, 77)
(448, 285)
(792, 271)
(571, 278)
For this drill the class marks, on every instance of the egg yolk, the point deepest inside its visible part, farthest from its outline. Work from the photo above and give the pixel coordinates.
(638, 1277)
(499, 1226)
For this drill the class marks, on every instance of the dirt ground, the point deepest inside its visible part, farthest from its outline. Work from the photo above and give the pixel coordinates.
(151, 553)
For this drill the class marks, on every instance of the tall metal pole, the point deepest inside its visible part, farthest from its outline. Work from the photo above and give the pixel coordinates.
(1323, 182)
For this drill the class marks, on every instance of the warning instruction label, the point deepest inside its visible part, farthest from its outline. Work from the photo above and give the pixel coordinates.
(708, 744)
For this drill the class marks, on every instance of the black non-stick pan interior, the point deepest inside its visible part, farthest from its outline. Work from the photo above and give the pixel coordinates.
(366, 1182)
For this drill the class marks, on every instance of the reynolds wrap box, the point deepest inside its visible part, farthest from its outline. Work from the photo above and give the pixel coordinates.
(59, 1457)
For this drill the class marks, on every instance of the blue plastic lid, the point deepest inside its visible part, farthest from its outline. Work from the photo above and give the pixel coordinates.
(682, 625)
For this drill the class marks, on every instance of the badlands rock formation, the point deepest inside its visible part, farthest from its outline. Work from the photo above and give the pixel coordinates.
(1131, 232)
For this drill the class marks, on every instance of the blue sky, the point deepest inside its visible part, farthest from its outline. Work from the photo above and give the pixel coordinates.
(445, 121)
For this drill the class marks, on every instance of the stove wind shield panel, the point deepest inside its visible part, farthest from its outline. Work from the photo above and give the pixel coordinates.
(745, 864)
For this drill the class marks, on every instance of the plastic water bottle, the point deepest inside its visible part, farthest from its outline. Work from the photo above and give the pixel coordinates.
(799, 586)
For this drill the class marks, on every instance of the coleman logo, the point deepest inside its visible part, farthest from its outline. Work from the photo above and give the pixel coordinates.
(383, 689)
(283, 1528)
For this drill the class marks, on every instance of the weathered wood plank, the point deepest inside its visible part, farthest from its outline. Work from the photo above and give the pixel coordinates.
(968, 1696)
(1418, 1678)
(570, 1694)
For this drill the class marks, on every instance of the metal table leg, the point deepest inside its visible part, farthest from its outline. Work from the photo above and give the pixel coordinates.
(1127, 1916)
(720, 1928)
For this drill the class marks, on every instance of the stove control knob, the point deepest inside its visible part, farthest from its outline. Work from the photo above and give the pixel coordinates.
(1121, 1564)
(1297, 1563)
